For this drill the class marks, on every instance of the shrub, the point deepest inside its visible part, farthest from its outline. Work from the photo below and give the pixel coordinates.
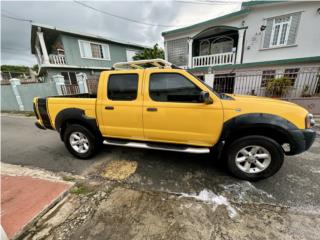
(278, 87)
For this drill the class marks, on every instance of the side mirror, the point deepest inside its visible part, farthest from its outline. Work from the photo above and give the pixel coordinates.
(205, 97)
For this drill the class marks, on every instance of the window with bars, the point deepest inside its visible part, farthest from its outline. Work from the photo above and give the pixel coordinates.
(94, 50)
(292, 74)
(178, 51)
(204, 47)
(266, 76)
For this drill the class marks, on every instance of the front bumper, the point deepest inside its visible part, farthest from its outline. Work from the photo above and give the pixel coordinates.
(309, 137)
(301, 140)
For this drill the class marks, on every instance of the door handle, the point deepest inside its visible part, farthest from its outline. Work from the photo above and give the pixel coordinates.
(152, 109)
(109, 108)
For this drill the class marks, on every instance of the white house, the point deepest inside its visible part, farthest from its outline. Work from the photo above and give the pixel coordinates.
(241, 51)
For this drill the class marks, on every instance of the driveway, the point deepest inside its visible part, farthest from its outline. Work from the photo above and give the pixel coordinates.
(296, 185)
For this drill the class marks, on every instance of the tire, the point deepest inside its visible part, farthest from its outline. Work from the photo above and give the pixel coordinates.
(263, 155)
(86, 148)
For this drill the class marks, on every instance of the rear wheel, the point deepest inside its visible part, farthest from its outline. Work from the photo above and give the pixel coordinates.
(254, 157)
(80, 141)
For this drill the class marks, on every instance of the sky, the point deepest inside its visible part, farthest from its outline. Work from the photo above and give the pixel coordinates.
(160, 15)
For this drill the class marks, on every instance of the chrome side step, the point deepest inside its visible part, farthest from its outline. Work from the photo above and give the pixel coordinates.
(157, 146)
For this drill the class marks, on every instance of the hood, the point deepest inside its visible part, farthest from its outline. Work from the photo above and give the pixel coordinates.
(244, 104)
(247, 98)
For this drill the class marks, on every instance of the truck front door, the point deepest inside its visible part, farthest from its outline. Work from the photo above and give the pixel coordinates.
(119, 104)
(173, 111)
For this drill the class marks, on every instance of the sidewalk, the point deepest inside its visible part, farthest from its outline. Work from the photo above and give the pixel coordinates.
(26, 195)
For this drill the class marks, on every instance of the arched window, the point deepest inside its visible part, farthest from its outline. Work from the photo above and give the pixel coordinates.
(221, 44)
(204, 47)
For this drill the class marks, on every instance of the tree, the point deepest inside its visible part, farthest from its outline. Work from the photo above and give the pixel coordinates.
(14, 68)
(35, 68)
(155, 52)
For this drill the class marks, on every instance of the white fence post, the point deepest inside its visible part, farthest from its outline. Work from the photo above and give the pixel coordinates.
(209, 79)
(59, 80)
(82, 82)
(14, 83)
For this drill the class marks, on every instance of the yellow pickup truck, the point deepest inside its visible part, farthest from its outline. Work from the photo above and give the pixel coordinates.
(153, 104)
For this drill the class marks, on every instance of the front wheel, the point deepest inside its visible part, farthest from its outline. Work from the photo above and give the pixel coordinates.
(80, 141)
(254, 157)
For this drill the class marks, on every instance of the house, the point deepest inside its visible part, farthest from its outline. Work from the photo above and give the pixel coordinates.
(239, 52)
(64, 52)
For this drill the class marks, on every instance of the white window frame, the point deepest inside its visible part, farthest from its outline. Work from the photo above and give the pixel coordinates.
(132, 50)
(281, 24)
(107, 58)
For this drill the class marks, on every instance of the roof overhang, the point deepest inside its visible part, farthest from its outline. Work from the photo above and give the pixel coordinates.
(50, 29)
(208, 23)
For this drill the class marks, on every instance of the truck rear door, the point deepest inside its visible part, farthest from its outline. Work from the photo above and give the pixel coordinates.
(119, 104)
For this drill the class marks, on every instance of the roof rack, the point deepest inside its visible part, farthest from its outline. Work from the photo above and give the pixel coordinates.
(142, 64)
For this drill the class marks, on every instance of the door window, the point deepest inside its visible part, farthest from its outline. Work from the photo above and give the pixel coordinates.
(173, 87)
(123, 87)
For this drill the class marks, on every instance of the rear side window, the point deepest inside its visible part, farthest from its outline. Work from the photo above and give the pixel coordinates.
(173, 87)
(123, 87)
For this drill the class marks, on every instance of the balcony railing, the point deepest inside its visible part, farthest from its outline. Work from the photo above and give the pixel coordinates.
(57, 59)
(215, 59)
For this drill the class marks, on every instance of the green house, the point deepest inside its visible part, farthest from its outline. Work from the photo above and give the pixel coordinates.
(64, 52)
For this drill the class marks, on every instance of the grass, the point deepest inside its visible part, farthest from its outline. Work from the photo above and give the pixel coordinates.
(68, 178)
(79, 190)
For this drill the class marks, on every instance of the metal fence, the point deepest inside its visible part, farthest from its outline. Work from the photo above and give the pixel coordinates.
(292, 83)
(70, 89)
(92, 85)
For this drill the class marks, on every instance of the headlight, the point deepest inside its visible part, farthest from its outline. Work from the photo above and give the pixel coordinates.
(310, 122)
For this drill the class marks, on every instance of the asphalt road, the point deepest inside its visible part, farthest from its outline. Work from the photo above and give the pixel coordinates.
(296, 185)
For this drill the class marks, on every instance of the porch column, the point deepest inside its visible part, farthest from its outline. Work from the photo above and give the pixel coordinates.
(39, 57)
(82, 82)
(59, 80)
(240, 45)
(43, 48)
(190, 42)
(14, 83)
(165, 51)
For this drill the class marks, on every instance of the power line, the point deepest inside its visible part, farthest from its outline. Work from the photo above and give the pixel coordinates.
(16, 18)
(16, 49)
(120, 17)
(204, 2)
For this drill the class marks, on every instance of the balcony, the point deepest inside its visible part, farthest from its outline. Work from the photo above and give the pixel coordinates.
(57, 59)
(214, 59)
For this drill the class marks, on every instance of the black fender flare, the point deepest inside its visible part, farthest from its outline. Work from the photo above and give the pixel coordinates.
(76, 115)
(265, 121)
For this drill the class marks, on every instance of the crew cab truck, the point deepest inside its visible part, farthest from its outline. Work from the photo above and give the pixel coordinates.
(152, 104)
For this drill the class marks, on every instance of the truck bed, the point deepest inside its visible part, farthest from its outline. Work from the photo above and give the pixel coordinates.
(49, 107)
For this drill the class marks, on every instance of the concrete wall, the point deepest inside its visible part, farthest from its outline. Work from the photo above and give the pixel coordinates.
(73, 57)
(312, 104)
(27, 93)
(8, 99)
